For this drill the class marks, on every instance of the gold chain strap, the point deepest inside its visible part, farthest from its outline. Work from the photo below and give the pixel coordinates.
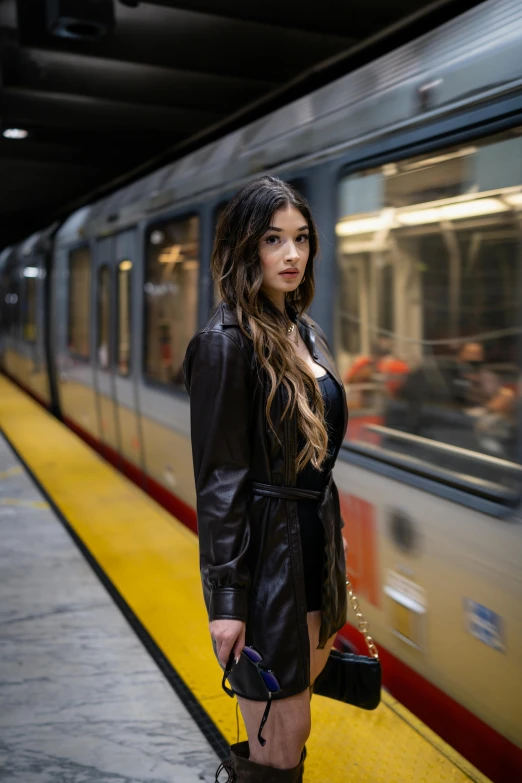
(363, 624)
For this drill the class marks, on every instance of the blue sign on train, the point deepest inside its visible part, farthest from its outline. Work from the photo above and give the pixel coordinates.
(484, 624)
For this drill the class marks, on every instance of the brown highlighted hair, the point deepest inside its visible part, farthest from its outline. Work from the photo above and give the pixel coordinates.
(237, 272)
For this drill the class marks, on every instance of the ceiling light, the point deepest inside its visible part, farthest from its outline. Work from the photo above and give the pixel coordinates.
(31, 271)
(346, 228)
(125, 266)
(15, 133)
(458, 211)
(514, 199)
(87, 31)
(419, 164)
(157, 237)
(390, 169)
(366, 225)
(355, 248)
(79, 19)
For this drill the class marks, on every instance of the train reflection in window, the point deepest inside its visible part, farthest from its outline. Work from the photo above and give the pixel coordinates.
(171, 297)
(123, 335)
(427, 320)
(79, 302)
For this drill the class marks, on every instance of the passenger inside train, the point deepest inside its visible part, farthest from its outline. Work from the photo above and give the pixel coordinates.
(432, 272)
(462, 383)
(380, 367)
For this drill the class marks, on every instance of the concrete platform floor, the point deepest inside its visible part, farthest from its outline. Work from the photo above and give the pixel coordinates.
(81, 701)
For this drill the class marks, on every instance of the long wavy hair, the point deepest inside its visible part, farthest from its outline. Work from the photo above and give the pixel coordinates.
(238, 276)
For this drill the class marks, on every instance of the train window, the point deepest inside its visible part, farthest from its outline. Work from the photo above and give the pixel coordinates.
(171, 297)
(79, 302)
(30, 310)
(427, 312)
(104, 343)
(123, 337)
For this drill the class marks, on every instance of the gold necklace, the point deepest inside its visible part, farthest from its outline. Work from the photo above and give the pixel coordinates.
(290, 330)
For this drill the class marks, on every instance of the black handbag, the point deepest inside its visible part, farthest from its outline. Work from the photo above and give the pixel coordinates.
(354, 679)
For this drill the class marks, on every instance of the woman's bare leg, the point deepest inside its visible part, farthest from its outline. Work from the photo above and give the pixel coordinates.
(288, 726)
(286, 730)
(318, 658)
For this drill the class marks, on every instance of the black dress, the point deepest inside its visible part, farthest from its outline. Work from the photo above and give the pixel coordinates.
(311, 528)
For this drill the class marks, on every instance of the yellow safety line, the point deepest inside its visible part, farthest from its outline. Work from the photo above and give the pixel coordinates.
(14, 471)
(153, 562)
(23, 503)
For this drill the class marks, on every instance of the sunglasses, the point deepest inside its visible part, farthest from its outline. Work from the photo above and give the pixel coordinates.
(270, 682)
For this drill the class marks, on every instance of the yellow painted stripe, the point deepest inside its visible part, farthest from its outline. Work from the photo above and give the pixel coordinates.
(152, 560)
(23, 503)
(16, 470)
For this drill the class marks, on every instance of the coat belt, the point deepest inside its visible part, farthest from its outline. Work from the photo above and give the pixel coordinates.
(285, 493)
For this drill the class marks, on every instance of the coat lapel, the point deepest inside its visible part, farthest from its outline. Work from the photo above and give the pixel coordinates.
(314, 342)
(321, 355)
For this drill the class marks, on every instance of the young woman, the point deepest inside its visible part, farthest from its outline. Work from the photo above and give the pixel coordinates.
(268, 416)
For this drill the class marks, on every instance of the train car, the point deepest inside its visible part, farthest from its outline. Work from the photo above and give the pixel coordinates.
(24, 297)
(413, 169)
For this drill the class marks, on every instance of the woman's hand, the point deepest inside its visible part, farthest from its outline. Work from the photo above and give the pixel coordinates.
(229, 636)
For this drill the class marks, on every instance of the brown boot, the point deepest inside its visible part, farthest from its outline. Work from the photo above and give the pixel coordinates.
(247, 771)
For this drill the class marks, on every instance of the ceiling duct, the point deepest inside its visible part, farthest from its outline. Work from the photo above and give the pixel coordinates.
(84, 20)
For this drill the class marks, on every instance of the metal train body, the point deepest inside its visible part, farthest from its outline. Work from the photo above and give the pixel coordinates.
(436, 560)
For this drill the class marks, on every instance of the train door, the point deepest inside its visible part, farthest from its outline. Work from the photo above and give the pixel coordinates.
(33, 326)
(104, 336)
(166, 319)
(125, 364)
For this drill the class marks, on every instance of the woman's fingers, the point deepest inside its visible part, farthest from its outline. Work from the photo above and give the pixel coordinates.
(240, 643)
(223, 651)
(226, 633)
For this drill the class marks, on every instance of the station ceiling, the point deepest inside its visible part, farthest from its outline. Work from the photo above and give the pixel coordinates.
(165, 77)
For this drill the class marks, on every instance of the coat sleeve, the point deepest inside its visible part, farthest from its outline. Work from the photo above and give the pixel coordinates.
(217, 377)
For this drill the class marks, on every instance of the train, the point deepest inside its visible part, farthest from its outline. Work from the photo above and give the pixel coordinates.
(412, 165)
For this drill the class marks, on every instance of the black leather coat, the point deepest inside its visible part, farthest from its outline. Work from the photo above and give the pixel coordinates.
(250, 548)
